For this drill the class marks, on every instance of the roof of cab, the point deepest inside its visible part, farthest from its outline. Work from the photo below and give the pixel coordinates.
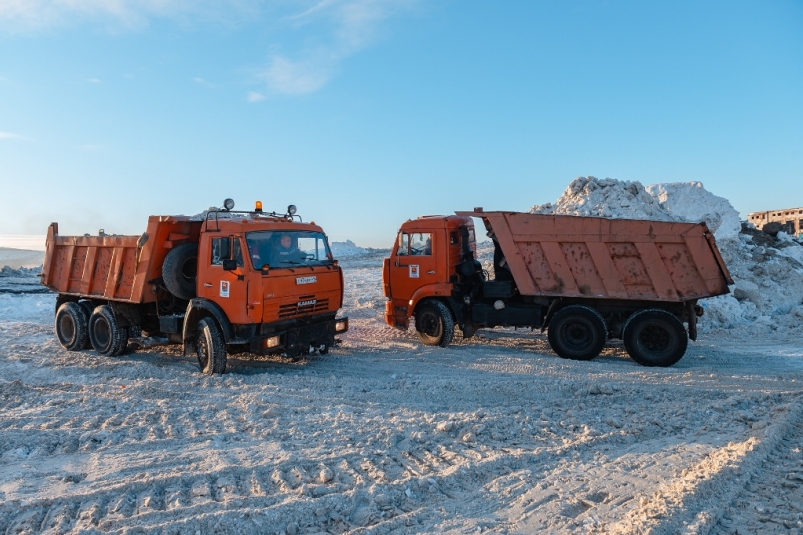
(436, 222)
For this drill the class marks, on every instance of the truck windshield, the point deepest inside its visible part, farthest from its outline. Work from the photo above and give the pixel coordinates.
(287, 248)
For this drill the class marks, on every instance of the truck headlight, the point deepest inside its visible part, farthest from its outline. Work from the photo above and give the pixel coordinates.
(342, 325)
(268, 343)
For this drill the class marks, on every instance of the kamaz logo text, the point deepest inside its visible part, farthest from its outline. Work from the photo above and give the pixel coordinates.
(307, 303)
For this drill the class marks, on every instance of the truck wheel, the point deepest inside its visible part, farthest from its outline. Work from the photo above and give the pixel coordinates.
(88, 309)
(654, 337)
(106, 336)
(434, 324)
(211, 347)
(71, 326)
(577, 332)
(180, 269)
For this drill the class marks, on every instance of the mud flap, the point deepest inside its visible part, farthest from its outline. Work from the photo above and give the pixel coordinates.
(692, 315)
(400, 319)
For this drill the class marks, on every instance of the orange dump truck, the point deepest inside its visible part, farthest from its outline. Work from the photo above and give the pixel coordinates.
(225, 283)
(585, 279)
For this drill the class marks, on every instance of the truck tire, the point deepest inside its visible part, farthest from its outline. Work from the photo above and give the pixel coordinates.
(434, 324)
(211, 347)
(654, 337)
(106, 336)
(180, 269)
(577, 332)
(72, 324)
(88, 309)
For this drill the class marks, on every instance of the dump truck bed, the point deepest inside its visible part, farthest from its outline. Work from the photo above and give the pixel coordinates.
(115, 268)
(593, 257)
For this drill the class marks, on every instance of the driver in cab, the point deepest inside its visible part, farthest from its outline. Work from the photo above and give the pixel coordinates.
(285, 252)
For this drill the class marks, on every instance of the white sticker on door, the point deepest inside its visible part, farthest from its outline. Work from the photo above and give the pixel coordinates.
(224, 288)
(413, 271)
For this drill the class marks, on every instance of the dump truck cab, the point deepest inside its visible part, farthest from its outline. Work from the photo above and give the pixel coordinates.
(273, 279)
(423, 263)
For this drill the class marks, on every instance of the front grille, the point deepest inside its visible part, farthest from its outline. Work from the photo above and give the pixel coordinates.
(293, 310)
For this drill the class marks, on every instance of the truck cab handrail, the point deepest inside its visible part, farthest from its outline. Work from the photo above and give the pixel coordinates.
(272, 215)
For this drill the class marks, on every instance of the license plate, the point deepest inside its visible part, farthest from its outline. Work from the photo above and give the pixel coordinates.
(306, 280)
(307, 303)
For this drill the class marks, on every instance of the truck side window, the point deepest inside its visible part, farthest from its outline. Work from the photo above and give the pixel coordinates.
(421, 244)
(238, 252)
(453, 238)
(404, 243)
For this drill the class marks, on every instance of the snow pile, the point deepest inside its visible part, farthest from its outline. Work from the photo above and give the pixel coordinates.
(616, 199)
(692, 202)
(767, 270)
(590, 196)
(341, 249)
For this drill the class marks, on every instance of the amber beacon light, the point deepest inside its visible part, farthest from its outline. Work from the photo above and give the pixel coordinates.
(258, 206)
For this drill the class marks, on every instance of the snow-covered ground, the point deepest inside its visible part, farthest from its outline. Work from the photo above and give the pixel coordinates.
(384, 435)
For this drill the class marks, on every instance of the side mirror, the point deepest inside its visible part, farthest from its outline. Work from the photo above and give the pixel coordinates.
(229, 265)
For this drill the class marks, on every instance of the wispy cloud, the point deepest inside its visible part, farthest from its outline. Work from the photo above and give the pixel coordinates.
(90, 147)
(93, 80)
(340, 28)
(253, 96)
(19, 16)
(331, 30)
(10, 135)
(200, 81)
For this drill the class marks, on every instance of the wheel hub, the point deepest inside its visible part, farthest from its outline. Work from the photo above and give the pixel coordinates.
(577, 334)
(654, 338)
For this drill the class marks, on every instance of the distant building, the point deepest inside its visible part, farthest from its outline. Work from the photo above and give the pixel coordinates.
(790, 218)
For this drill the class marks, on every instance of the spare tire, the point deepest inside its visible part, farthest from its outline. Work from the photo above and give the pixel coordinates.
(180, 269)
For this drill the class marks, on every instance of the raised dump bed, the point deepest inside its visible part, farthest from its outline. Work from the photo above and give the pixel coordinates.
(569, 256)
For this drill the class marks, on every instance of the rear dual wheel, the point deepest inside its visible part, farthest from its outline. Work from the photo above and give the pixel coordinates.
(72, 326)
(577, 332)
(655, 337)
(106, 336)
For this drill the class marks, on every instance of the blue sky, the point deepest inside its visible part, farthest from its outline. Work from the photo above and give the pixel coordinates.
(367, 112)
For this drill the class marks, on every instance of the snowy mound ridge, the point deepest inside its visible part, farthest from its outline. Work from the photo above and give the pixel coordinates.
(617, 199)
(342, 249)
(692, 202)
(590, 196)
(767, 270)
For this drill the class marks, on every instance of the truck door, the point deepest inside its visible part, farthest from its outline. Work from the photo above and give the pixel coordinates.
(413, 264)
(226, 288)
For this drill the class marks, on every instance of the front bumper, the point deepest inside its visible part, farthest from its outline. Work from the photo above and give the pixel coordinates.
(297, 340)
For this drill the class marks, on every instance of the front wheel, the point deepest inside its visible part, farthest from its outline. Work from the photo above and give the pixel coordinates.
(211, 347)
(655, 337)
(577, 332)
(434, 324)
